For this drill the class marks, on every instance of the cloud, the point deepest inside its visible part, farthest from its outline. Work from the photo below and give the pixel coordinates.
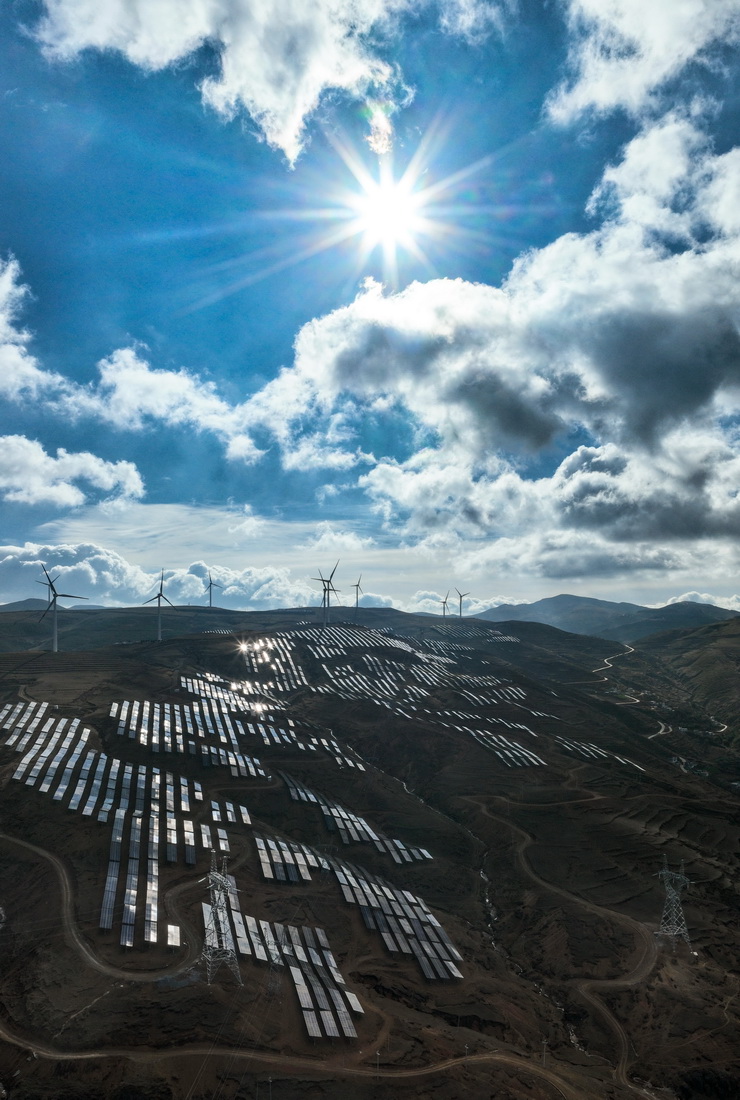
(732, 603)
(276, 58)
(28, 475)
(474, 19)
(593, 398)
(107, 577)
(21, 377)
(627, 336)
(327, 539)
(624, 52)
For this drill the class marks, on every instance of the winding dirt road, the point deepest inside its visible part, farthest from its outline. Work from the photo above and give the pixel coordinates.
(585, 986)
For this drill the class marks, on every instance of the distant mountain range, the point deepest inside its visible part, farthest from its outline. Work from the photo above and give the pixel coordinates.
(623, 622)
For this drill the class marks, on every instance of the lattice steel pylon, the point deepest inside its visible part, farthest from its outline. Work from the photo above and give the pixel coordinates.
(218, 945)
(673, 922)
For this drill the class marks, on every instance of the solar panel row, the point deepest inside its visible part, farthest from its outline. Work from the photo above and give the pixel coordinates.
(350, 826)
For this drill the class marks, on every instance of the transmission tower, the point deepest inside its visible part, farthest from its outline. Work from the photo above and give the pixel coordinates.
(218, 946)
(673, 922)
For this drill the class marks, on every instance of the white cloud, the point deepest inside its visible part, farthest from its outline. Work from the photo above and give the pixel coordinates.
(107, 577)
(628, 334)
(625, 339)
(732, 603)
(328, 539)
(624, 51)
(277, 58)
(474, 19)
(21, 377)
(28, 475)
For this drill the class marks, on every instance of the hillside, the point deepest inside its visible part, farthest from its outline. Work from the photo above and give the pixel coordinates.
(707, 660)
(624, 622)
(443, 843)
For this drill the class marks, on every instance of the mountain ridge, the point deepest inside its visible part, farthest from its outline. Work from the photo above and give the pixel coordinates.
(623, 622)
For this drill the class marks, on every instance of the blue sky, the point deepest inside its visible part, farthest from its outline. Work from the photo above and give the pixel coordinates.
(446, 290)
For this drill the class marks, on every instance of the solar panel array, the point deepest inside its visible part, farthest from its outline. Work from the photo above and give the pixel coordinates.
(303, 953)
(593, 752)
(390, 683)
(266, 727)
(286, 860)
(174, 728)
(272, 658)
(144, 805)
(350, 826)
(246, 696)
(404, 921)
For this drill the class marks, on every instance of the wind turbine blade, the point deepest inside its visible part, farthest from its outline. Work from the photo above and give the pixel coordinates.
(167, 601)
(71, 596)
(333, 570)
(151, 601)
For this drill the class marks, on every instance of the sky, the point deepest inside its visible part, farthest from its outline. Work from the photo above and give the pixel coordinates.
(443, 290)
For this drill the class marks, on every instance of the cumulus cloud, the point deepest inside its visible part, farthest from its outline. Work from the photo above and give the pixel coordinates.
(616, 350)
(276, 58)
(21, 376)
(732, 603)
(330, 539)
(627, 335)
(107, 577)
(624, 52)
(28, 475)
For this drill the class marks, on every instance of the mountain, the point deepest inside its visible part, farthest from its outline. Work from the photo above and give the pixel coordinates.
(467, 818)
(25, 605)
(624, 622)
(707, 661)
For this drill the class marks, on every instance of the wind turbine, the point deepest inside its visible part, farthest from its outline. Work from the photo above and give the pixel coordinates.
(159, 597)
(462, 596)
(210, 586)
(357, 589)
(444, 605)
(52, 605)
(328, 587)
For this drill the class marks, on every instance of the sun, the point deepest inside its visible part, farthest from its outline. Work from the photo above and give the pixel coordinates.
(385, 211)
(389, 213)
(404, 218)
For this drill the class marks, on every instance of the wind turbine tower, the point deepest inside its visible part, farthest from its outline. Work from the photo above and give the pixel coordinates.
(357, 589)
(210, 586)
(328, 587)
(52, 605)
(462, 596)
(673, 922)
(159, 597)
